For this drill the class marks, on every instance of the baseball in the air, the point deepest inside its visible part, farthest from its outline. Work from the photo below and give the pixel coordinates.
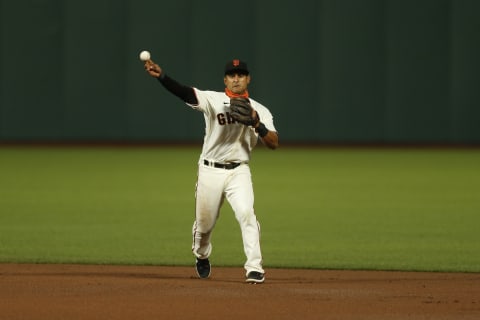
(144, 55)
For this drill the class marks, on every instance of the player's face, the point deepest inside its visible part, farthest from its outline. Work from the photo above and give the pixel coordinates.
(237, 82)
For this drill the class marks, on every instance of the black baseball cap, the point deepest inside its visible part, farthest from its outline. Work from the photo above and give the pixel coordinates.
(236, 65)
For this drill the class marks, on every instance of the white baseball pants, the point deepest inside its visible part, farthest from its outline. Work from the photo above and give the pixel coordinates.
(213, 186)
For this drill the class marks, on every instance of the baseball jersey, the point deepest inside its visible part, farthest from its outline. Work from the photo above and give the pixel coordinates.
(227, 140)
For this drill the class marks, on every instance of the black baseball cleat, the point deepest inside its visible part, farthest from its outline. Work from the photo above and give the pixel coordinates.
(203, 268)
(255, 277)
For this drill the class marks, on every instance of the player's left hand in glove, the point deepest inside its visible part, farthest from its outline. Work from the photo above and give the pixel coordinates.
(242, 111)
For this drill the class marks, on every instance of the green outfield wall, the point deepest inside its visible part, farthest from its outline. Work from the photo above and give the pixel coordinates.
(334, 71)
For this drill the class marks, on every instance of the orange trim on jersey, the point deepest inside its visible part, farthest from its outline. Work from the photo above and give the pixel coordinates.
(235, 95)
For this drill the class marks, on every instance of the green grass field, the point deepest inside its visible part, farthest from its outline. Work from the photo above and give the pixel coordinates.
(328, 208)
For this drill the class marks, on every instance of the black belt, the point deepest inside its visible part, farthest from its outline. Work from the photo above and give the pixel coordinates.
(228, 166)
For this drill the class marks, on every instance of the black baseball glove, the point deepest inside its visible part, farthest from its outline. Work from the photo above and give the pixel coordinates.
(242, 111)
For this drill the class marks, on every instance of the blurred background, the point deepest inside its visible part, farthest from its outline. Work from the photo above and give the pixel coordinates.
(331, 71)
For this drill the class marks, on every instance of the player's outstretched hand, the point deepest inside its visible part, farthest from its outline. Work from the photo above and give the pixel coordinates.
(153, 69)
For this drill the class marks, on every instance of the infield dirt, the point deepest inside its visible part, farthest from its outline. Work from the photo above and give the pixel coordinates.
(41, 291)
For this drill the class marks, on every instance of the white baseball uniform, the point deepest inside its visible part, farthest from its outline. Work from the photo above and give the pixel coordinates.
(227, 143)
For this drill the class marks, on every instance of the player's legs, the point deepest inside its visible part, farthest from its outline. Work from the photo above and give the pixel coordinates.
(208, 200)
(239, 193)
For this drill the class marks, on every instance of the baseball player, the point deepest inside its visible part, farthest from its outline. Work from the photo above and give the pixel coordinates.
(233, 124)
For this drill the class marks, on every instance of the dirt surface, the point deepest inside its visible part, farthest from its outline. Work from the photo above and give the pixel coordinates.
(135, 292)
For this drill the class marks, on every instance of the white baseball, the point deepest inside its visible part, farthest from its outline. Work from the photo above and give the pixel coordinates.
(144, 55)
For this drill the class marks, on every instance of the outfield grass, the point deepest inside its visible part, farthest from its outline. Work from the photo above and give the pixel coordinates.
(380, 209)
